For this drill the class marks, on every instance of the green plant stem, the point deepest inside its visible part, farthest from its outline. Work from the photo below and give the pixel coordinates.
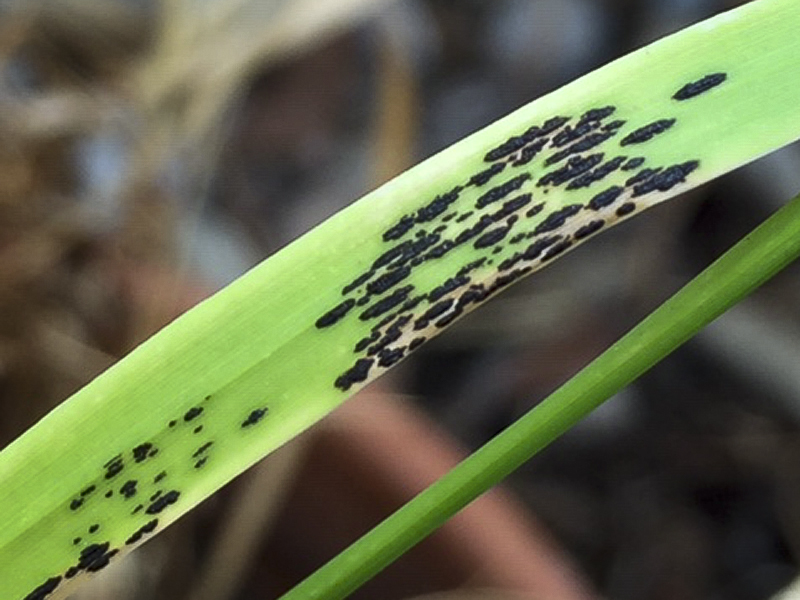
(742, 269)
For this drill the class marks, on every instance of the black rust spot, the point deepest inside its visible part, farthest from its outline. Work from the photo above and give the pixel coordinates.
(163, 502)
(483, 177)
(334, 315)
(399, 229)
(605, 198)
(501, 191)
(355, 374)
(626, 209)
(667, 179)
(43, 591)
(128, 489)
(193, 413)
(695, 88)
(386, 304)
(557, 218)
(574, 167)
(588, 229)
(148, 527)
(140, 452)
(254, 417)
(648, 132)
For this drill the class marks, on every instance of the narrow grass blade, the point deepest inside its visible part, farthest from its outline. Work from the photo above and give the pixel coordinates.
(271, 354)
(742, 269)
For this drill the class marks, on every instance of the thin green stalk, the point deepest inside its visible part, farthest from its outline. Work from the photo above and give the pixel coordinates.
(742, 269)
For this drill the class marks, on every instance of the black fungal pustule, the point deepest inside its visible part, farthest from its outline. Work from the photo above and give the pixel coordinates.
(94, 528)
(597, 174)
(361, 279)
(138, 508)
(336, 314)
(511, 206)
(695, 88)
(389, 356)
(160, 477)
(202, 449)
(571, 134)
(501, 191)
(95, 557)
(535, 210)
(557, 218)
(491, 237)
(643, 175)
(356, 374)
(530, 152)
(386, 304)
(450, 285)
(76, 504)
(363, 343)
(597, 114)
(591, 227)
(128, 489)
(633, 163)
(626, 209)
(484, 176)
(114, 467)
(648, 132)
(470, 267)
(605, 198)
(44, 590)
(140, 452)
(666, 179)
(76, 541)
(398, 230)
(163, 502)
(437, 206)
(137, 535)
(433, 312)
(197, 429)
(576, 165)
(88, 491)
(172, 423)
(254, 417)
(109, 493)
(556, 249)
(587, 143)
(200, 463)
(388, 280)
(464, 216)
(416, 343)
(193, 413)
(518, 142)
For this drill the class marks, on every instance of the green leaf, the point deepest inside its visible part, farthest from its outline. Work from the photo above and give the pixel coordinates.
(271, 354)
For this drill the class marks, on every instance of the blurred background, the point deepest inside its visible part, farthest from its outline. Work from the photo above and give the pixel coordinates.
(153, 150)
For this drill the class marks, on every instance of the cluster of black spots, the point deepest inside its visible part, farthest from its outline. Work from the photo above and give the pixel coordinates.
(393, 333)
(501, 191)
(355, 374)
(398, 230)
(605, 198)
(163, 502)
(571, 134)
(491, 237)
(364, 343)
(576, 165)
(363, 278)
(518, 142)
(114, 467)
(467, 234)
(95, 557)
(390, 356)
(626, 209)
(254, 417)
(94, 528)
(128, 489)
(88, 490)
(532, 252)
(530, 152)
(160, 477)
(588, 229)
(416, 343)
(484, 176)
(695, 88)
(587, 143)
(388, 280)
(648, 132)
(437, 206)
(556, 249)
(433, 312)
(334, 315)
(200, 463)
(141, 451)
(666, 179)
(137, 535)
(408, 250)
(475, 294)
(386, 304)
(44, 590)
(556, 219)
(193, 413)
(464, 216)
(597, 174)
(633, 163)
